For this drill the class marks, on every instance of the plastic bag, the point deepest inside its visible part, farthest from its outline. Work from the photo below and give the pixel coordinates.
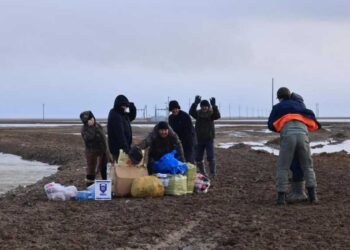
(56, 191)
(202, 184)
(191, 177)
(147, 186)
(168, 164)
(177, 185)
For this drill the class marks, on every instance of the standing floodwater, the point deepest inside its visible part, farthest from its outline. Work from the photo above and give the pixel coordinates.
(15, 171)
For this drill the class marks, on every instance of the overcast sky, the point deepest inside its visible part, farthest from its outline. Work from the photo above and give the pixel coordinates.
(79, 55)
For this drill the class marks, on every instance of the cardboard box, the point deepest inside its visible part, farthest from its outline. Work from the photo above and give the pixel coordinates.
(123, 176)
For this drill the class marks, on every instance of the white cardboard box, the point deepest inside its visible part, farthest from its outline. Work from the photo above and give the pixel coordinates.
(103, 190)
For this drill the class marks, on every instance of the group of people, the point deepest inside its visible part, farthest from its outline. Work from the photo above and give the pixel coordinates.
(190, 142)
(289, 117)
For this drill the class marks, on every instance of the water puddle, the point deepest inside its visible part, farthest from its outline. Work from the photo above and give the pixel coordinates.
(14, 171)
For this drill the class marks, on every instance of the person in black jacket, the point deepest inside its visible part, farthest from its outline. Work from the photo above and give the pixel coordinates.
(205, 130)
(181, 123)
(119, 128)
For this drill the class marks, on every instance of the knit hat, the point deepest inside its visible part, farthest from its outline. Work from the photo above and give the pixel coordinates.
(283, 93)
(162, 125)
(205, 103)
(173, 105)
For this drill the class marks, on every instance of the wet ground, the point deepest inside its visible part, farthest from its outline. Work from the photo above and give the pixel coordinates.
(237, 213)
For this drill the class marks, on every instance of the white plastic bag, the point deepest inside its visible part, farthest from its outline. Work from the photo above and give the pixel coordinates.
(56, 191)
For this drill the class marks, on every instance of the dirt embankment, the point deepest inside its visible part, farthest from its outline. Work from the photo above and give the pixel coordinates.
(237, 213)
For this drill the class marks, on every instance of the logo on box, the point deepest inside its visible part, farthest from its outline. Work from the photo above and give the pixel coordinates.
(103, 190)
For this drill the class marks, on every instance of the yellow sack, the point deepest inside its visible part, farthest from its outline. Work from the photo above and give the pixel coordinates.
(147, 186)
(191, 177)
(177, 185)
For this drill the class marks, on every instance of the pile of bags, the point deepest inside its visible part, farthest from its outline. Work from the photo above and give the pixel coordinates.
(58, 192)
(173, 178)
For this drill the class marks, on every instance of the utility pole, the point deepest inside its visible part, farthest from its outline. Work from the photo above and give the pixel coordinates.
(43, 111)
(229, 110)
(317, 110)
(239, 112)
(273, 91)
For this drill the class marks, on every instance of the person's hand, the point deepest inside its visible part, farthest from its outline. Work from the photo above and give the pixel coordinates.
(197, 99)
(212, 101)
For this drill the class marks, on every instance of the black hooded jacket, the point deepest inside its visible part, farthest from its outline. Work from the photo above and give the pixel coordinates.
(183, 127)
(119, 128)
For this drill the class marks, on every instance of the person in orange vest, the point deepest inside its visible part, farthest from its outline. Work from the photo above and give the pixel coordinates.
(293, 121)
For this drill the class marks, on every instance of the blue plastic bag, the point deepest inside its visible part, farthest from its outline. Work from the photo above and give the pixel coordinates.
(168, 164)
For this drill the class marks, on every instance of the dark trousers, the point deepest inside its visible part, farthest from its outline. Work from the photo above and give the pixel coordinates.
(96, 162)
(189, 154)
(207, 147)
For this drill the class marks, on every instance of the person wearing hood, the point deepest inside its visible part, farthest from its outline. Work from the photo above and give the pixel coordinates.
(118, 126)
(293, 121)
(160, 141)
(205, 130)
(96, 149)
(181, 123)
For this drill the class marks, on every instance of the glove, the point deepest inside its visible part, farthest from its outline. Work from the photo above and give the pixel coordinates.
(197, 100)
(212, 101)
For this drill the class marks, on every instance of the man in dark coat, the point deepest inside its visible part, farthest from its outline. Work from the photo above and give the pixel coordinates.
(181, 123)
(293, 121)
(119, 128)
(205, 131)
(160, 141)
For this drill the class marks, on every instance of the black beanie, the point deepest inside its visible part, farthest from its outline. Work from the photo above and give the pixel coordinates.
(163, 125)
(173, 104)
(86, 116)
(205, 103)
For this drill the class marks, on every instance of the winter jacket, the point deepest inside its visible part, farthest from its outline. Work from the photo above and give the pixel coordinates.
(183, 127)
(94, 136)
(288, 110)
(119, 128)
(205, 122)
(159, 146)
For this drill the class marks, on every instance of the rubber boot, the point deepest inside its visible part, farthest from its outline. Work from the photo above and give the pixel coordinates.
(312, 195)
(281, 199)
(212, 168)
(297, 193)
(201, 168)
(90, 179)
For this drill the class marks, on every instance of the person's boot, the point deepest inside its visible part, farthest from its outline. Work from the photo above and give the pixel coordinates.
(281, 199)
(212, 168)
(297, 193)
(90, 179)
(312, 195)
(201, 168)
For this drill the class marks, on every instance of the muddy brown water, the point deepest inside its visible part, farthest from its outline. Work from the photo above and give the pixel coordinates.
(237, 213)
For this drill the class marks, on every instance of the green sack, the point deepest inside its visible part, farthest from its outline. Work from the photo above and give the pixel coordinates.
(177, 185)
(191, 177)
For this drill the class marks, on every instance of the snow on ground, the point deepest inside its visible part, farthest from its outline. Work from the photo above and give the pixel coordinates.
(322, 146)
(15, 171)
